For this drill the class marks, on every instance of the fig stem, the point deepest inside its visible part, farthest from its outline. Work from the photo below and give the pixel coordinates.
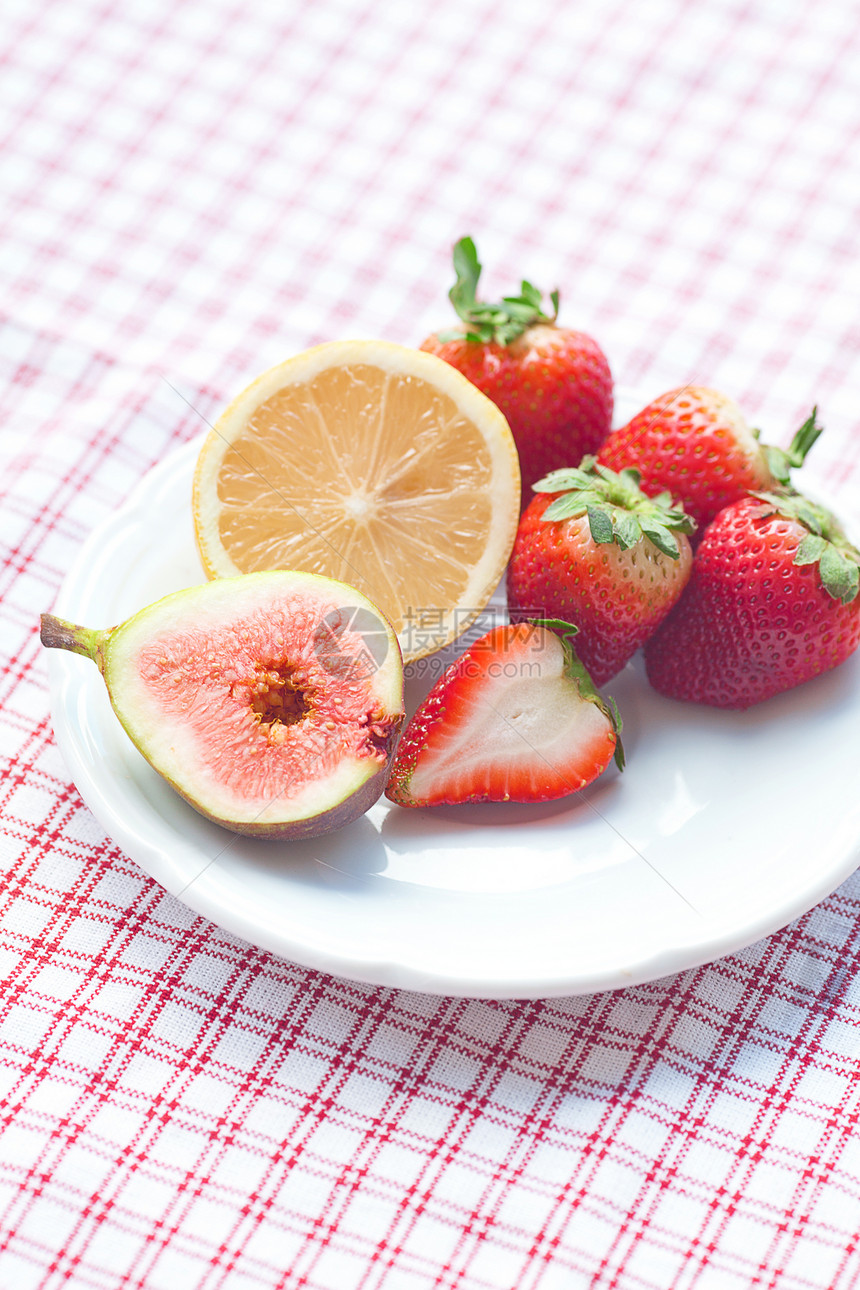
(56, 633)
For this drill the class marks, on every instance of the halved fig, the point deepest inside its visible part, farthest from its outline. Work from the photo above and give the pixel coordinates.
(271, 702)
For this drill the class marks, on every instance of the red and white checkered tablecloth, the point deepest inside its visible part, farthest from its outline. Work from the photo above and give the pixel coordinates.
(196, 189)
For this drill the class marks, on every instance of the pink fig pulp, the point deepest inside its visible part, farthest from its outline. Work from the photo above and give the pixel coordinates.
(271, 702)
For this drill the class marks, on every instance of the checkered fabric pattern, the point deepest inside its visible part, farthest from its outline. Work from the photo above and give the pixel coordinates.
(195, 189)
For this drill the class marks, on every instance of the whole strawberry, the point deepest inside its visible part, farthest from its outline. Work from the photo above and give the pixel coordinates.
(772, 602)
(696, 443)
(553, 384)
(594, 550)
(515, 718)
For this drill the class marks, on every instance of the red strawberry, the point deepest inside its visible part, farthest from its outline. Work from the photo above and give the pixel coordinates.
(772, 601)
(696, 443)
(598, 552)
(553, 384)
(514, 719)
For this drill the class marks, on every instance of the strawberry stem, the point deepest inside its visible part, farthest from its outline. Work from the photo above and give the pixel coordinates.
(497, 323)
(783, 460)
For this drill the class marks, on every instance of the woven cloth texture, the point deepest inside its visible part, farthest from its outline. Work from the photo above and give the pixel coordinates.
(190, 191)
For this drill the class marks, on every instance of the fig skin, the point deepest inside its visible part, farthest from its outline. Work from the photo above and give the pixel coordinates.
(352, 808)
(340, 749)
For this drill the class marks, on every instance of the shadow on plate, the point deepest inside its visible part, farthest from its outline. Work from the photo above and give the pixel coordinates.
(406, 825)
(828, 692)
(355, 852)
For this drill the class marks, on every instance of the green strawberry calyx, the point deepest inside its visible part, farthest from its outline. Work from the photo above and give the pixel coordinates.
(618, 510)
(487, 324)
(576, 671)
(824, 544)
(781, 461)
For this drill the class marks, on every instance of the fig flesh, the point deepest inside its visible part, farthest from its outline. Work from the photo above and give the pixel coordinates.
(272, 702)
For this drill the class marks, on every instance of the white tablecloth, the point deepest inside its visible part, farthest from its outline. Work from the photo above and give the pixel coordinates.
(195, 190)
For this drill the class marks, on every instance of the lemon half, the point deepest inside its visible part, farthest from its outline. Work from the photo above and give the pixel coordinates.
(372, 463)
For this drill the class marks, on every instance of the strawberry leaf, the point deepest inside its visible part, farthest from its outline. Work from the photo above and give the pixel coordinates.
(573, 503)
(811, 549)
(558, 481)
(840, 577)
(467, 267)
(809, 515)
(630, 475)
(529, 297)
(564, 508)
(600, 525)
(678, 520)
(664, 499)
(628, 530)
(518, 310)
(662, 538)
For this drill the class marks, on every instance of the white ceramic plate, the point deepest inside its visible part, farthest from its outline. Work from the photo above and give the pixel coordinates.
(723, 828)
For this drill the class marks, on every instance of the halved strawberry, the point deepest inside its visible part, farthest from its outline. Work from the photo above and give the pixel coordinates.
(696, 443)
(515, 719)
(552, 383)
(772, 601)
